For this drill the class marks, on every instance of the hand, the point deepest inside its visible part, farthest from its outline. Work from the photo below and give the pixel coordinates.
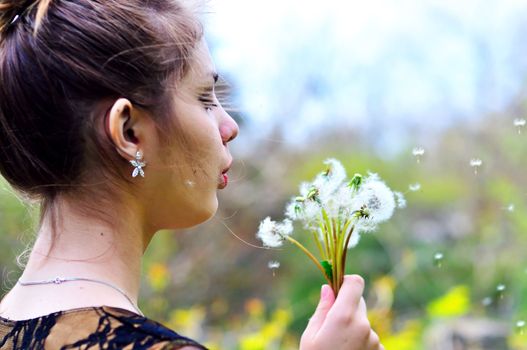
(341, 324)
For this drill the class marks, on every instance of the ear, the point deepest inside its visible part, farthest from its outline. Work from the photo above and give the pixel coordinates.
(123, 128)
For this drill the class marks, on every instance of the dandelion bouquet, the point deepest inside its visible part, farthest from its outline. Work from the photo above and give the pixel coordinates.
(335, 211)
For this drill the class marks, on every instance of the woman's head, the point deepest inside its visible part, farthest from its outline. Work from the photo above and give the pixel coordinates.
(83, 81)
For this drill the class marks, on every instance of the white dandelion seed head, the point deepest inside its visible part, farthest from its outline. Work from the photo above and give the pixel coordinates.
(273, 264)
(304, 188)
(501, 287)
(414, 187)
(294, 210)
(510, 208)
(377, 198)
(520, 324)
(399, 198)
(330, 180)
(418, 151)
(364, 225)
(341, 202)
(333, 176)
(285, 228)
(331, 206)
(312, 211)
(476, 162)
(272, 234)
(354, 239)
(519, 122)
(372, 177)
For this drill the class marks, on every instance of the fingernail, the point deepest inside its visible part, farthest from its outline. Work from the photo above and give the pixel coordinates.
(324, 292)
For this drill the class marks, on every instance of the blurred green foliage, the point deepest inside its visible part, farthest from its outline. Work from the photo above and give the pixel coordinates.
(211, 283)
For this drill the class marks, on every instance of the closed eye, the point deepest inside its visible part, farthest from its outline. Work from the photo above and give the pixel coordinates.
(207, 100)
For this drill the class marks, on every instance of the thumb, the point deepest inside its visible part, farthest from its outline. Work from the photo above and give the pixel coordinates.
(327, 298)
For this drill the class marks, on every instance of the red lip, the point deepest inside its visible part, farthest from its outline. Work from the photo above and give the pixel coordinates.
(224, 178)
(224, 181)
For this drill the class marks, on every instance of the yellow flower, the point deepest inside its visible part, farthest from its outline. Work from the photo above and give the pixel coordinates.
(158, 276)
(254, 307)
(255, 341)
(456, 302)
(187, 321)
(407, 339)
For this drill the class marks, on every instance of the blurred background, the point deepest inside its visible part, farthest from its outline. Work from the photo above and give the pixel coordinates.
(431, 95)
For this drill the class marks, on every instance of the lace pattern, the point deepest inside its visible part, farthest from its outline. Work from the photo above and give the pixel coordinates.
(93, 328)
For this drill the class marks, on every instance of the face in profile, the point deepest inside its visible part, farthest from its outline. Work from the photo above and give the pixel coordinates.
(194, 168)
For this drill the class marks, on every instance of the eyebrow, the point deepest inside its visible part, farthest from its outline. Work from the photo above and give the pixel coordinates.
(215, 77)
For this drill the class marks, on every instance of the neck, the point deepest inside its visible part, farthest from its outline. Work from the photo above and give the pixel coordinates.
(84, 247)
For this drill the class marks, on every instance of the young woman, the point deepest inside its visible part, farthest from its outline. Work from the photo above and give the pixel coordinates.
(109, 121)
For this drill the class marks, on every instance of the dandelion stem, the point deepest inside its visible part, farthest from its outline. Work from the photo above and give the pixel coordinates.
(335, 255)
(326, 242)
(345, 252)
(310, 256)
(319, 246)
(338, 254)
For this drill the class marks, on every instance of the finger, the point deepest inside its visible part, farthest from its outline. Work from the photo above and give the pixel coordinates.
(349, 295)
(362, 310)
(327, 299)
(374, 342)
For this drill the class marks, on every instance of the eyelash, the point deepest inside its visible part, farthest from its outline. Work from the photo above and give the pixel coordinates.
(207, 101)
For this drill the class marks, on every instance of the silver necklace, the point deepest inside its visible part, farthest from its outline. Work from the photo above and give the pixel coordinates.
(59, 280)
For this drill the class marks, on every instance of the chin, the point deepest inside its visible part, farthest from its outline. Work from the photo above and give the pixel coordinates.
(203, 212)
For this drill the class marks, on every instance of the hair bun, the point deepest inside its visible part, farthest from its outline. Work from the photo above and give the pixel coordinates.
(9, 9)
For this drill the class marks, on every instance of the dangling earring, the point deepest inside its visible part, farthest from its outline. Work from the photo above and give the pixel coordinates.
(138, 163)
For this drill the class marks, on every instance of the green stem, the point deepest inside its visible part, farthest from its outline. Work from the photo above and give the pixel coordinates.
(338, 254)
(319, 246)
(310, 256)
(335, 255)
(324, 233)
(345, 253)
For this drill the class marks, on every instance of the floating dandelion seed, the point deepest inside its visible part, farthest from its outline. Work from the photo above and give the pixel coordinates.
(438, 259)
(415, 187)
(273, 265)
(519, 123)
(500, 288)
(418, 152)
(520, 326)
(476, 163)
(399, 198)
(486, 301)
(189, 183)
(510, 208)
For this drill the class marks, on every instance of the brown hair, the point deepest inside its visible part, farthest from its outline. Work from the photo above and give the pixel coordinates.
(59, 60)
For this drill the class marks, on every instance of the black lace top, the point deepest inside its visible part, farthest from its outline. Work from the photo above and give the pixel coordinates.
(97, 327)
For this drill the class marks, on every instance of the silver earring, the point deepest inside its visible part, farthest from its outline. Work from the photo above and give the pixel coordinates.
(138, 163)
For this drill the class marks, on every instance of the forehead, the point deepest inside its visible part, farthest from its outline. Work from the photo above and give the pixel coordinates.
(201, 68)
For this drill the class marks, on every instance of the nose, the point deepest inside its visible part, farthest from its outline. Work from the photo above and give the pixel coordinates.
(228, 128)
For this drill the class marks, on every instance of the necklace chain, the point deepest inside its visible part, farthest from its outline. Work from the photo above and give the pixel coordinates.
(59, 280)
